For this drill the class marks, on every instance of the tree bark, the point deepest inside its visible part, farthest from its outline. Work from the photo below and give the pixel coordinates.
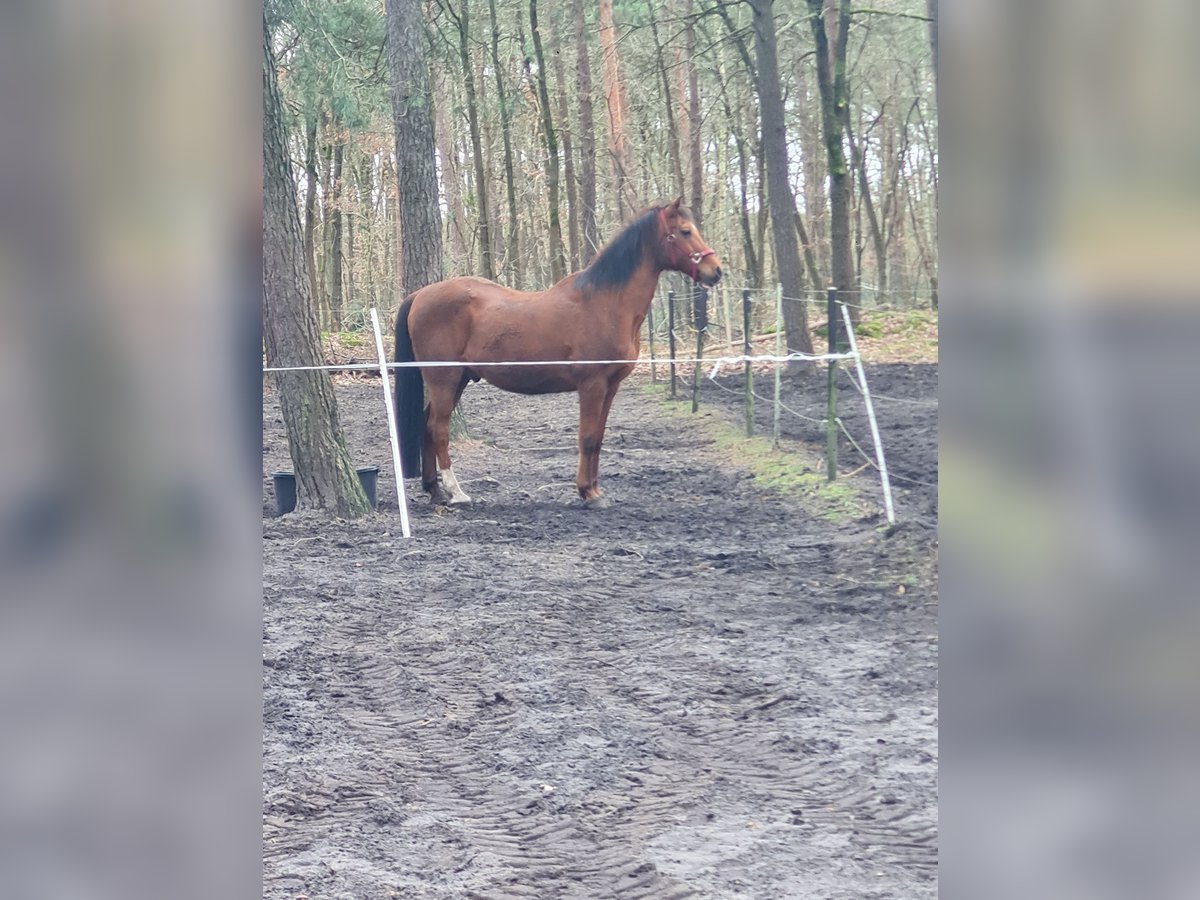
(335, 233)
(858, 154)
(325, 476)
(512, 245)
(779, 190)
(931, 11)
(557, 266)
(420, 218)
(481, 185)
(587, 139)
(677, 184)
(451, 179)
(753, 265)
(614, 93)
(694, 140)
(397, 236)
(568, 148)
(310, 206)
(322, 298)
(812, 156)
(810, 259)
(348, 257)
(831, 82)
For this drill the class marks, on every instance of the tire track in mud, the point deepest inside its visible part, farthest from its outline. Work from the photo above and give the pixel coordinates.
(637, 705)
(525, 844)
(726, 742)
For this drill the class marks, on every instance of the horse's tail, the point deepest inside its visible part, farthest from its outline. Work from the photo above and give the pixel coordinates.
(410, 397)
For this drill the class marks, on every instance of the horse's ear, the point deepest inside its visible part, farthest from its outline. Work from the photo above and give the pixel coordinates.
(673, 206)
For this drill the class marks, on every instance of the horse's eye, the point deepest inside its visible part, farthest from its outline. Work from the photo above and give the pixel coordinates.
(686, 233)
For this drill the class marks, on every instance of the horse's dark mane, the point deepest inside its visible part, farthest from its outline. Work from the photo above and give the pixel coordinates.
(621, 256)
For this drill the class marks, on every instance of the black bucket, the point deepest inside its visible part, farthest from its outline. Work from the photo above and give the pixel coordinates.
(285, 488)
(285, 492)
(368, 477)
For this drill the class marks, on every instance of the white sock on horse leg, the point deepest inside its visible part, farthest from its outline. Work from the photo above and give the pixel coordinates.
(450, 483)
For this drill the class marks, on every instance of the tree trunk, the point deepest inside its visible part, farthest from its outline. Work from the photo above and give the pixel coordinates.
(557, 267)
(614, 93)
(677, 183)
(310, 207)
(779, 189)
(348, 256)
(931, 11)
(810, 259)
(858, 153)
(451, 177)
(564, 120)
(587, 140)
(694, 140)
(397, 235)
(335, 234)
(420, 218)
(325, 476)
(831, 82)
(322, 299)
(481, 184)
(753, 266)
(812, 155)
(512, 246)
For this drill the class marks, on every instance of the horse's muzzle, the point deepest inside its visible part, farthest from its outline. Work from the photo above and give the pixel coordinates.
(710, 278)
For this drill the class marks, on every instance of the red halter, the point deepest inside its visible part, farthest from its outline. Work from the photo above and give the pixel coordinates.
(689, 264)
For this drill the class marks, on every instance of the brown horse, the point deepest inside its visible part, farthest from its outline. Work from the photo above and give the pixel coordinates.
(595, 314)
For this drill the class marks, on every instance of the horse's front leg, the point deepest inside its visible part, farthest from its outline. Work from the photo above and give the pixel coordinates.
(594, 460)
(592, 409)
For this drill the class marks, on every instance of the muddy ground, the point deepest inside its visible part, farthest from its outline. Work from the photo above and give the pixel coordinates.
(702, 691)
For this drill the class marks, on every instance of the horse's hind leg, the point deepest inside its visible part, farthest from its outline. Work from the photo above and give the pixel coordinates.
(444, 388)
(429, 479)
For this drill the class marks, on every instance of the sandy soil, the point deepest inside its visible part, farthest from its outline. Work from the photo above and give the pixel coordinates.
(702, 691)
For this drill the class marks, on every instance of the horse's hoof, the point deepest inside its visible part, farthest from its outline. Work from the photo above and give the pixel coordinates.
(459, 500)
(597, 503)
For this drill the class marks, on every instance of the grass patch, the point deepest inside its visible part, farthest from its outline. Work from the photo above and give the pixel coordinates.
(794, 470)
(919, 319)
(870, 325)
(347, 339)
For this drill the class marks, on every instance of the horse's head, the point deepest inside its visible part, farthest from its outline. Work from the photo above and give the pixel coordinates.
(684, 249)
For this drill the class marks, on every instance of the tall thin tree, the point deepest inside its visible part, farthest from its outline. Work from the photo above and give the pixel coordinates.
(416, 168)
(831, 82)
(512, 246)
(324, 472)
(310, 205)
(587, 139)
(693, 138)
(614, 93)
(779, 189)
(568, 147)
(557, 265)
(337, 255)
(462, 20)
